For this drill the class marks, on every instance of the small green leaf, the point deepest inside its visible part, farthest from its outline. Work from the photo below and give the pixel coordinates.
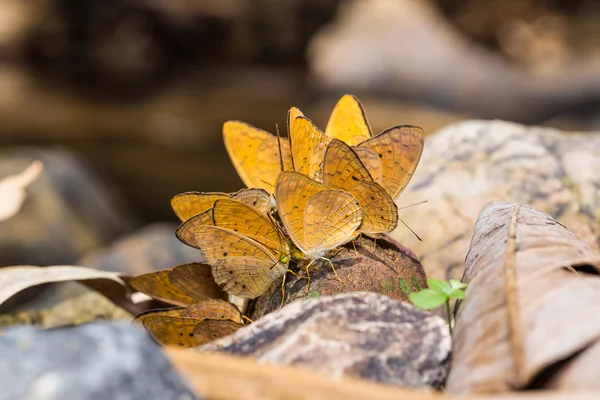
(427, 299)
(439, 286)
(415, 283)
(455, 284)
(314, 293)
(457, 294)
(387, 285)
(404, 285)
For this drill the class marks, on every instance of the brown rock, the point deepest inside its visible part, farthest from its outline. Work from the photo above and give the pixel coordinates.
(390, 269)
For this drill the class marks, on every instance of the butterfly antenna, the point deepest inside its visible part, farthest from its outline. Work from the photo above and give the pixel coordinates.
(279, 145)
(267, 183)
(413, 232)
(414, 204)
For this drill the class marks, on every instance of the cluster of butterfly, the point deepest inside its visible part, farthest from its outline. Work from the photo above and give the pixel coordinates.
(329, 187)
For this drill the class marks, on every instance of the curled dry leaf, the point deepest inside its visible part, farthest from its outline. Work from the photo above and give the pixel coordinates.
(12, 190)
(17, 278)
(531, 309)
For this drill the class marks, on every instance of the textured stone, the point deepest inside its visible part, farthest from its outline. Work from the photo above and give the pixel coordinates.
(388, 268)
(468, 164)
(357, 334)
(92, 361)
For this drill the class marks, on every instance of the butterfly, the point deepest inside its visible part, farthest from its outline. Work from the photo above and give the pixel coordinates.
(398, 151)
(342, 169)
(181, 285)
(316, 217)
(258, 156)
(246, 250)
(192, 326)
(186, 204)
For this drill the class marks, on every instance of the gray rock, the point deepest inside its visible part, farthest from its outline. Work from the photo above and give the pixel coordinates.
(359, 334)
(92, 361)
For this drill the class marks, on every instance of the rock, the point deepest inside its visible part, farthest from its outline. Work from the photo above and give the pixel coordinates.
(390, 269)
(358, 334)
(92, 361)
(68, 211)
(87, 307)
(469, 164)
(377, 46)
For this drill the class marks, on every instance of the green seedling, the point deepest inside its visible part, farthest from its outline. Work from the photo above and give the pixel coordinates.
(439, 293)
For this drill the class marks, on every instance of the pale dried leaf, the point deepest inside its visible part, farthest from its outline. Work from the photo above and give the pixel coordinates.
(12, 190)
(526, 309)
(17, 278)
(224, 377)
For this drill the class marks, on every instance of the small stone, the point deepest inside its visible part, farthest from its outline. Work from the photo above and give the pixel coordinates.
(359, 334)
(91, 361)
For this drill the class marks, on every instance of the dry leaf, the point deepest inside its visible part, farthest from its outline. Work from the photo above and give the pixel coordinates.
(12, 190)
(225, 377)
(526, 309)
(17, 278)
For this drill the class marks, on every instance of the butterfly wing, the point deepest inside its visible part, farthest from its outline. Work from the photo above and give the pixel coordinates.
(210, 329)
(343, 169)
(330, 220)
(213, 309)
(308, 145)
(188, 204)
(348, 121)
(172, 331)
(292, 193)
(400, 150)
(196, 281)
(157, 285)
(371, 161)
(167, 312)
(185, 231)
(248, 221)
(255, 154)
(240, 265)
(257, 198)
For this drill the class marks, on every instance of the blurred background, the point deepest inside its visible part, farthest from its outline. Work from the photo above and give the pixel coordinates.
(124, 100)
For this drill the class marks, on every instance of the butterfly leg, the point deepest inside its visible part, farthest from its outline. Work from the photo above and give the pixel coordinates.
(374, 243)
(247, 319)
(283, 289)
(355, 252)
(332, 268)
(308, 274)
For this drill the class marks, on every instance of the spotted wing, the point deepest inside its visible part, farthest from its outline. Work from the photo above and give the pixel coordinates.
(257, 198)
(400, 150)
(172, 331)
(348, 121)
(371, 161)
(248, 221)
(240, 265)
(331, 219)
(210, 329)
(343, 170)
(255, 154)
(308, 145)
(292, 193)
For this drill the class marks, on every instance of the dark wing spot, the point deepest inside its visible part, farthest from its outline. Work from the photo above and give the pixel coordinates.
(225, 254)
(354, 178)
